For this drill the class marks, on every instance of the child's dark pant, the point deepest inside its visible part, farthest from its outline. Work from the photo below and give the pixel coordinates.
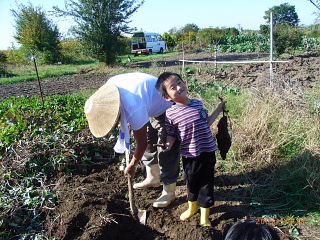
(200, 177)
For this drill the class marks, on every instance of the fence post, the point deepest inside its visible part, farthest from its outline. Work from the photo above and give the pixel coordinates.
(183, 70)
(33, 57)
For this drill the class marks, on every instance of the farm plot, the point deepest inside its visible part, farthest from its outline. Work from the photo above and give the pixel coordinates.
(300, 71)
(92, 196)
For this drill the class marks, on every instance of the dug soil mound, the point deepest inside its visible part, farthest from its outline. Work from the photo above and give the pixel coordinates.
(93, 204)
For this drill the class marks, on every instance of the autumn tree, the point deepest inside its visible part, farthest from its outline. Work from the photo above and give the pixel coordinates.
(99, 25)
(36, 33)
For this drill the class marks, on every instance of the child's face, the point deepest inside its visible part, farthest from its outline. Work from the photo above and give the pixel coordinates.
(176, 89)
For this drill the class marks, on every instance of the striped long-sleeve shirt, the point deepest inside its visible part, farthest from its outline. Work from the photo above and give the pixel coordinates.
(189, 123)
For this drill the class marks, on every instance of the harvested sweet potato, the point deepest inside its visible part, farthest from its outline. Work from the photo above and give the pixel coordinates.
(223, 137)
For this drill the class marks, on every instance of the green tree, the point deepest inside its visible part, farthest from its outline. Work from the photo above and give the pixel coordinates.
(190, 27)
(286, 34)
(283, 13)
(36, 33)
(176, 34)
(188, 33)
(100, 24)
(264, 29)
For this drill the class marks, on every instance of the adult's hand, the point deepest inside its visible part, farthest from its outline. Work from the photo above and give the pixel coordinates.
(140, 137)
(131, 169)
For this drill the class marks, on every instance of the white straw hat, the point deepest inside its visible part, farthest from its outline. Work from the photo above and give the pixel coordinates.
(102, 110)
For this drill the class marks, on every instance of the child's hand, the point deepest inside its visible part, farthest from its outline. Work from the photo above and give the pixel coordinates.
(167, 147)
(222, 106)
(164, 147)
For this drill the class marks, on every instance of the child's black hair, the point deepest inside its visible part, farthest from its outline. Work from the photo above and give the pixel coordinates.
(249, 230)
(164, 76)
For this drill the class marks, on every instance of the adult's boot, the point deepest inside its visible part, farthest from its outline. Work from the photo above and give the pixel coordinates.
(152, 179)
(167, 196)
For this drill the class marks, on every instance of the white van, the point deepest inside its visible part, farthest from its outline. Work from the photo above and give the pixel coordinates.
(147, 43)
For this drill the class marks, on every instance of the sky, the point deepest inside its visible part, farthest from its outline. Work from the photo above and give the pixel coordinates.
(161, 15)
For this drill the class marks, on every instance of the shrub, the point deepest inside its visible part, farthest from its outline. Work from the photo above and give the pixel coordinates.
(3, 63)
(71, 51)
(17, 56)
(286, 38)
(169, 40)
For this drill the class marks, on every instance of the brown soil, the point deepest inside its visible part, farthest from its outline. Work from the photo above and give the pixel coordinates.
(299, 71)
(93, 202)
(94, 205)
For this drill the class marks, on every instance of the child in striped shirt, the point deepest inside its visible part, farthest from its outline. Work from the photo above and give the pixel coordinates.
(188, 121)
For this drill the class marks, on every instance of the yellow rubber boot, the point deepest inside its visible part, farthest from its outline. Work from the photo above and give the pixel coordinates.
(204, 217)
(192, 209)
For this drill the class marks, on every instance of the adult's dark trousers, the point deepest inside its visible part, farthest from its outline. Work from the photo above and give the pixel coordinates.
(169, 162)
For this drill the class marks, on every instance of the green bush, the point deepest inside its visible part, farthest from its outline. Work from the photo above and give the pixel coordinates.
(215, 35)
(169, 40)
(17, 56)
(71, 51)
(312, 31)
(287, 38)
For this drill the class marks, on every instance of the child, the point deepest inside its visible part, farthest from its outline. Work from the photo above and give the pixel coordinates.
(188, 121)
(249, 230)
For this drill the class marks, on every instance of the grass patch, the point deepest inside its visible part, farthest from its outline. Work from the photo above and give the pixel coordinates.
(314, 218)
(131, 58)
(277, 151)
(28, 73)
(291, 188)
(22, 73)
